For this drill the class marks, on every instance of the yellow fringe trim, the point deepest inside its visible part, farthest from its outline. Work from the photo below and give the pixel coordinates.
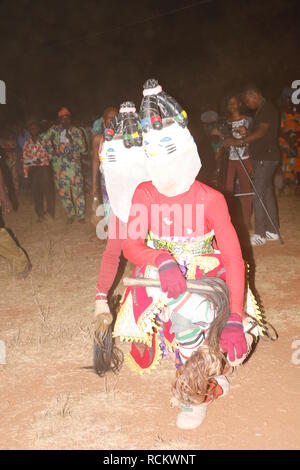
(123, 318)
(130, 362)
(205, 263)
(171, 346)
(258, 314)
(150, 316)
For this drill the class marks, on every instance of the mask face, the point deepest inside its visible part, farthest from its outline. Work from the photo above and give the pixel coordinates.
(123, 169)
(159, 144)
(172, 159)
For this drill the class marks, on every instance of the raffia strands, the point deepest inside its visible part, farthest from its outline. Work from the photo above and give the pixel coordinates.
(106, 356)
(193, 378)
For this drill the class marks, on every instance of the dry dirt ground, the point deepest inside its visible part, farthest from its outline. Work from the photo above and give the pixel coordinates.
(49, 399)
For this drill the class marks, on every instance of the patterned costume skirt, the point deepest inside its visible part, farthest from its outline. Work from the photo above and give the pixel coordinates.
(147, 316)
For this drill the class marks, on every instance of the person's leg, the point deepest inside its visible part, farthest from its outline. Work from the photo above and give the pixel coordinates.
(77, 191)
(245, 188)
(15, 175)
(37, 191)
(259, 176)
(231, 171)
(56, 165)
(65, 190)
(192, 416)
(20, 170)
(49, 190)
(198, 365)
(270, 199)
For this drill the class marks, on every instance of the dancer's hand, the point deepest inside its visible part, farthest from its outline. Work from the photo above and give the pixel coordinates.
(171, 278)
(26, 171)
(230, 141)
(232, 340)
(102, 314)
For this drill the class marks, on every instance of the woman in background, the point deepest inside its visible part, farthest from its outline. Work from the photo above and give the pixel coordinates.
(98, 131)
(239, 126)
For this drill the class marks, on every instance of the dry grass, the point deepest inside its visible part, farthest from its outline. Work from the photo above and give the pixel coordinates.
(51, 399)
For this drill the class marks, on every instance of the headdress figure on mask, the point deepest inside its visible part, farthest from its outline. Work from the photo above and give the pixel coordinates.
(172, 156)
(156, 104)
(127, 123)
(123, 159)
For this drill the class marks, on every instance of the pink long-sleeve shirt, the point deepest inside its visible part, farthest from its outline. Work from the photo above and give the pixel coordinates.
(212, 205)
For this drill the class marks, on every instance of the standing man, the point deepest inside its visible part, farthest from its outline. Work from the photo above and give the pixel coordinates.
(68, 146)
(263, 141)
(36, 166)
(49, 135)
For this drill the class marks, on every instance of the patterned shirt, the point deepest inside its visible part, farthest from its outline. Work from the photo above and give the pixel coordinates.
(68, 144)
(34, 154)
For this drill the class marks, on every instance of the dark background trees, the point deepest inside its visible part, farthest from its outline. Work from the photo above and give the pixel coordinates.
(89, 54)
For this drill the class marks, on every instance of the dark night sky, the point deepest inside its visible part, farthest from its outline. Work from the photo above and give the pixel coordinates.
(87, 54)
